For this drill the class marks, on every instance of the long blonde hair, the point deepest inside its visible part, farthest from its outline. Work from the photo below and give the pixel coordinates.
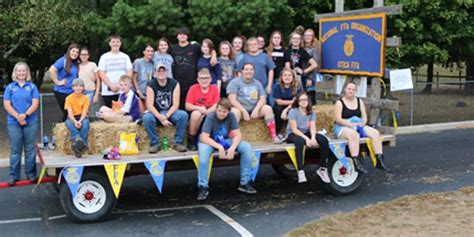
(28, 72)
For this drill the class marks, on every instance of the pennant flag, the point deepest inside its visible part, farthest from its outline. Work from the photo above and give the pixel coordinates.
(157, 171)
(41, 176)
(73, 176)
(292, 154)
(115, 172)
(255, 164)
(371, 152)
(196, 163)
(339, 150)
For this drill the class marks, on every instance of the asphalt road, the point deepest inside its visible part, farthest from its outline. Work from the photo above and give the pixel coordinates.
(428, 162)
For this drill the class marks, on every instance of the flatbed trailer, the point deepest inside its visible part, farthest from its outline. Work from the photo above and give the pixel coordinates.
(95, 199)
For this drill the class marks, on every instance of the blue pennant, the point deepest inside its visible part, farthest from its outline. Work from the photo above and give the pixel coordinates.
(73, 175)
(339, 150)
(255, 164)
(157, 171)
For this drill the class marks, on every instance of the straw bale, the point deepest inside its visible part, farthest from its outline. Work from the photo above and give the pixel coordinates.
(103, 135)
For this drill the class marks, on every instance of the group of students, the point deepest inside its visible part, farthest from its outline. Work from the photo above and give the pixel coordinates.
(186, 84)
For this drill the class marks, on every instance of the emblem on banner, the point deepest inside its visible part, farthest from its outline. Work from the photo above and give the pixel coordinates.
(349, 45)
(72, 176)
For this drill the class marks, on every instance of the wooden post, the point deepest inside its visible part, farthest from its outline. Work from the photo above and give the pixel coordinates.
(437, 79)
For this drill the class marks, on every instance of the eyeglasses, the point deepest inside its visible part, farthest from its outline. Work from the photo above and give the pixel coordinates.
(300, 100)
(204, 78)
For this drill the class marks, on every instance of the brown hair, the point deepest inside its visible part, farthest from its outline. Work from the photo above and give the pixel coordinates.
(224, 103)
(346, 84)
(69, 60)
(231, 52)
(209, 43)
(164, 39)
(291, 38)
(270, 42)
(295, 84)
(243, 39)
(114, 36)
(309, 108)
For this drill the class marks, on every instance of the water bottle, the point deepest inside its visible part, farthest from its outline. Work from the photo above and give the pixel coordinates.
(397, 115)
(220, 139)
(166, 145)
(45, 142)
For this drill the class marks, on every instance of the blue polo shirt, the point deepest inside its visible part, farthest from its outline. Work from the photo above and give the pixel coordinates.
(21, 98)
(60, 65)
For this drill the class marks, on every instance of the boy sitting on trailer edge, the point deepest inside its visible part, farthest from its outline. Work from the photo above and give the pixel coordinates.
(221, 132)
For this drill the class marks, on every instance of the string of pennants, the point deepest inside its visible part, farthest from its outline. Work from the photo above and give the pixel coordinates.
(116, 172)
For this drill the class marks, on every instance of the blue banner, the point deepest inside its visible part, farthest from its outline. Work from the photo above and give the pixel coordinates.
(255, 164)
(157, 171)
(339, 150)
(73, 175)
(353, 45)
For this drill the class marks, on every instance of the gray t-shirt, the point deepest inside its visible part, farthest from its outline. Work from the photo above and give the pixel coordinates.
(248, 93)
(144, 70)
(166, 59)
(228, 67)
(213, 126)
(261, 63)
(302, 121)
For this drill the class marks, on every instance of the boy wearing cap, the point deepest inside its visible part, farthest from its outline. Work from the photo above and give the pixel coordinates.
(162, 102)
(77, 106)
(201, 99)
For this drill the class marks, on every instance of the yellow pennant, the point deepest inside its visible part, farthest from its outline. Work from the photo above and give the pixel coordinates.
(292, 154)
(196, 163)
(42, 174)
(371, 152)
(115, 172)
(395, 122)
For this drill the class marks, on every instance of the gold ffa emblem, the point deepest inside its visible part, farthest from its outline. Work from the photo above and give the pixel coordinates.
(156, 169)
(72, 176)
(338, 152)
(349, 46)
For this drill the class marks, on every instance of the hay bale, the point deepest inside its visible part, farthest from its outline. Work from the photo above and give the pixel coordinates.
(103, 135)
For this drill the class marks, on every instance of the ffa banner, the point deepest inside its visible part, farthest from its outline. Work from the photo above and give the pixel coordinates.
(115, 172)
(339, 150)
(73, 176)
(196, 163)
(353, 45)
(157, 171)
(255, 164)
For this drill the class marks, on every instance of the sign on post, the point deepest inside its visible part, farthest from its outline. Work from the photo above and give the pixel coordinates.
(353, 45)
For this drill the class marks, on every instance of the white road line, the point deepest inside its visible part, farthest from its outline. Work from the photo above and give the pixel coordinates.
(225, 218)
(30, 220)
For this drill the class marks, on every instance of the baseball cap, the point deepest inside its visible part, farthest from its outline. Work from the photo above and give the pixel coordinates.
(160, 65)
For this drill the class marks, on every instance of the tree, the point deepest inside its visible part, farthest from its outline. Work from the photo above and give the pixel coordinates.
(38, 31)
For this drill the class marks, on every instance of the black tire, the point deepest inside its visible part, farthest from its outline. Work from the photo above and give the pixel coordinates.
(337, 186)
(56, 187)
(97, 180)
(285, 170)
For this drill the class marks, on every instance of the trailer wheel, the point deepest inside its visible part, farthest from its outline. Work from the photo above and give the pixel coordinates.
(94, 200)
(343, 181)
(285, 170)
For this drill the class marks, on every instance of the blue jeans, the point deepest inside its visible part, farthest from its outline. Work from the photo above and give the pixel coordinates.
(179, 119)
(82, 132)
(205, 152)
(22, 136)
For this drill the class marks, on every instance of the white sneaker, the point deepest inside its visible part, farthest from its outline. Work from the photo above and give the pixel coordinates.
(301, 177)
(277, 140)
(323, 174)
